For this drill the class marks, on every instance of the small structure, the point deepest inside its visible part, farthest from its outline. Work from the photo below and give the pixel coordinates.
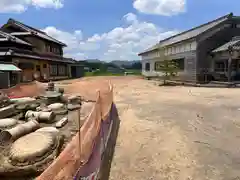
(76, 69)
(9, 75)
(226, 61)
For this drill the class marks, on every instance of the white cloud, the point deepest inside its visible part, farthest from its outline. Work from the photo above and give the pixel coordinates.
(131, 18)
(119, 43)
(48, 3)
(71, 39)
(160, 7)
(78, 56)
(18, 6)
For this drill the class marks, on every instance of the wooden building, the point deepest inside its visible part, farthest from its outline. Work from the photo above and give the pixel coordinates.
(193, 50)
(38, 55)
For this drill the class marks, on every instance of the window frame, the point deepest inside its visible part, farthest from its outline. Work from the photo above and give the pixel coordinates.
(147, 66)
(180, 63)
(53, 70)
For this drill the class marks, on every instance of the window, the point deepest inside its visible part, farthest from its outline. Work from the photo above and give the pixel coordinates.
(220, 66)
(166, 51)
(53, 70)
(180, 63)
(187, 47)
(38, 68)
(57, 50)
(175, 50)
(158, 66)
(147, 67)
(194, 45)
(47, 48)
(62, 70)
(44, 65)
(182, 48)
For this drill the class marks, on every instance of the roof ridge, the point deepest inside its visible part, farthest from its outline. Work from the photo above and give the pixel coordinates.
(31, 29)
(222, 17)
(28, 27)
(10, 37)
(6, 35)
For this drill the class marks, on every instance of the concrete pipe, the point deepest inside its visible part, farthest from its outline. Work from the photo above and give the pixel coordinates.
(40, 116)
(14, 133)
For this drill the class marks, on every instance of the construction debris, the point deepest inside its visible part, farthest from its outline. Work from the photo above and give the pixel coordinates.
(8, 122)
(40, 116)
(7, 111)
(58, 108)
(31, 148)
(62, 122)
(28, 129)
(12, 134)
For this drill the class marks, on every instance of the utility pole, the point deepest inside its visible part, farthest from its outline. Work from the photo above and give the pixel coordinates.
(230, 51)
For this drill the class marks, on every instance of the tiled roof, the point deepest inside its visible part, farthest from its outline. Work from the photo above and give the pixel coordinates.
(192, 33)
(156, 46)
(234, 43)
(34, 31)
(8, 37)
(33, 55)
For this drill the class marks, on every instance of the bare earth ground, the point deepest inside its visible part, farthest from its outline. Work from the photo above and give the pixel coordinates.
(175, 133)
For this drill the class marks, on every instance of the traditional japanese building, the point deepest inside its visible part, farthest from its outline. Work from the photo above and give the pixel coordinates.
(37, 54)
(200, 52)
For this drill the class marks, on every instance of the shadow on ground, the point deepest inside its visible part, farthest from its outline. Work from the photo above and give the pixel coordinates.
(109, 152)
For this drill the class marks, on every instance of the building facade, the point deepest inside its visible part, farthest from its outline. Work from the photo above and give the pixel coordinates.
(39, 56)
(193, 50)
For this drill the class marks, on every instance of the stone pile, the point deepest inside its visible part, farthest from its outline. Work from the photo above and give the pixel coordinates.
(29, 125)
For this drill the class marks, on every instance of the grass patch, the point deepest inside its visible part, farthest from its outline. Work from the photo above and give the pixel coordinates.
(105, 73)
(98, 73)
(134, 72)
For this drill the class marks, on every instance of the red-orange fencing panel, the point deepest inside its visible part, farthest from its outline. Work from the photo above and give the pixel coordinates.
(106, 99)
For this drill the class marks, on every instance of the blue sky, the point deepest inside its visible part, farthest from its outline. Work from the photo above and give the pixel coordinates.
(113, 29)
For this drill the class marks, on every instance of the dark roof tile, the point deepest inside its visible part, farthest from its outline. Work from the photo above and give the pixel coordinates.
(192, 33)
(8, 37)
(235, 43)
(36, 32)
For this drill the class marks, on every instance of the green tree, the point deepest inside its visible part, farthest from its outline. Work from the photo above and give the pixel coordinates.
(169, 68)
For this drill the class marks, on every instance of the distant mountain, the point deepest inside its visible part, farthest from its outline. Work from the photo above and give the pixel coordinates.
(124, 63)
(94, 60)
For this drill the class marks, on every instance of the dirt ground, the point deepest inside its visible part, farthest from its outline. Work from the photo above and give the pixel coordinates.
(175, 133)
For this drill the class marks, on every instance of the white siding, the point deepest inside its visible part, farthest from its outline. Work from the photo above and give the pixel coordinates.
(181, 48)
(151, 55)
